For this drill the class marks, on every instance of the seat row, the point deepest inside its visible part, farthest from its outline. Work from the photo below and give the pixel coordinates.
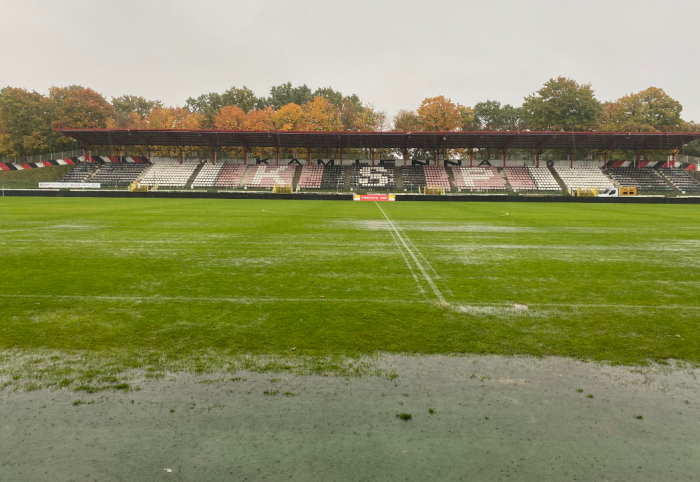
(681, 179)
(478, 179)
(647, 180)
(118, 175)
(167, 174)
(584, 177)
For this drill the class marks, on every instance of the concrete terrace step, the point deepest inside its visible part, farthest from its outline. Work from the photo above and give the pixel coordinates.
(188, 184)
(561, 183)
(297, 176)
(451, 177)
(246, 175)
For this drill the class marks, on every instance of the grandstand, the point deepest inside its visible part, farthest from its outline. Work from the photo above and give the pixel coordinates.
(584, 177)
(478, 179)
(169, 174)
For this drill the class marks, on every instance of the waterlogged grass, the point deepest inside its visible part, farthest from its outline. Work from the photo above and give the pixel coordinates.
(100, 287)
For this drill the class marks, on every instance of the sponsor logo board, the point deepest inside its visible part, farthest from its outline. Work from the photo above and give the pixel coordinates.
(69, 185)
(374, 197)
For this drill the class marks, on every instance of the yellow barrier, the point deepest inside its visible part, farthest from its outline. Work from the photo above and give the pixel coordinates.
(282, 189)
(435, 190)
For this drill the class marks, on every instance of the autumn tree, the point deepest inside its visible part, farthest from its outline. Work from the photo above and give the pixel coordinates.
(289, 117)
(80, 107)
(25, 122)
(173, 118)
(321, 115)
(130, 111)
(439, 114)
(562, 104)
(649, 110)
(406, 121)
(230, 118)
(260, 120)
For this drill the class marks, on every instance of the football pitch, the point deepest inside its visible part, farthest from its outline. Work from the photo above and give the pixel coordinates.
(173, 284)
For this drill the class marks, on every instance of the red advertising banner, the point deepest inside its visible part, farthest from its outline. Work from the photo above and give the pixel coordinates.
(374, 197)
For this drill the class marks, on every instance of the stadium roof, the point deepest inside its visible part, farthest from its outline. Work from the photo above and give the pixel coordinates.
(212, 139)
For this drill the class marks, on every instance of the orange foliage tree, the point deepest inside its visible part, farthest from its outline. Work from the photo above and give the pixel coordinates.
(439, 114)
(230, 118)
(289, 117)
(321, 115)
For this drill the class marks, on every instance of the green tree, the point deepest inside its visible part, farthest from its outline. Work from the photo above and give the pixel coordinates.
(281, 95)
(561, 104)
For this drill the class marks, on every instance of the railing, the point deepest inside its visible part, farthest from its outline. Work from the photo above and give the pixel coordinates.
(42, 157)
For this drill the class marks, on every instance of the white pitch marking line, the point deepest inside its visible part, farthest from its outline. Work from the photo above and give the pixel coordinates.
(415, 259)
(243, 300)
(251, 300)
(408, 263)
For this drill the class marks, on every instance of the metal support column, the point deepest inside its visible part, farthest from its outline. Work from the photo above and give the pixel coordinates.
(538, 158)
(571, 159)
(180, 155)
(372, 150)
(405, 157)
(308, 156)
(245, 156)
(471, 158)
(605, 160)
(213, 156)
(277, 157)
(148, 151)
(505, 153)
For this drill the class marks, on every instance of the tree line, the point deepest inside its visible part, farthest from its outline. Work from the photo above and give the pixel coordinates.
(28, 119)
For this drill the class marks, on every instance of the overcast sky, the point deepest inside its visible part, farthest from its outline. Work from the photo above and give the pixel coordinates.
(392, 54)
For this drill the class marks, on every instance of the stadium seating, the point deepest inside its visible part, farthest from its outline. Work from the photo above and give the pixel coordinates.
(81, 172)
(478, 179)
(311, 177)
(413, 177)
(436, 176)
(681, 179)
(333, 178)
(266, 177)
(373, 177)
(208, 176)
(169, 174)
(118, 175)
(230, 176)
(584, 177)
(647, 180)
(543, 179)
(519, 179)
